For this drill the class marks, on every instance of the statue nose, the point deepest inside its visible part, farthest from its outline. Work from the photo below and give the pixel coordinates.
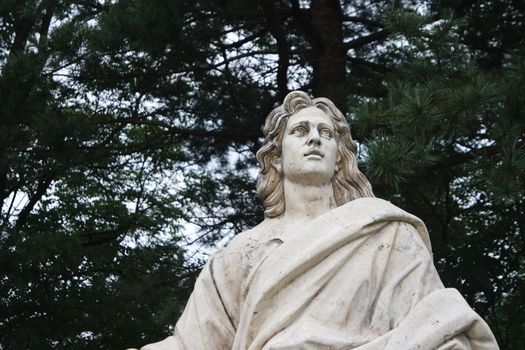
(314, 139)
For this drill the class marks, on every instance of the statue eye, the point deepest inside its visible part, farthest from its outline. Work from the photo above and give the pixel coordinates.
(299, 130)
(325, 132)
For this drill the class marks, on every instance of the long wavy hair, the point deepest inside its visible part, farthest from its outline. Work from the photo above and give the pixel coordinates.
(348, 182)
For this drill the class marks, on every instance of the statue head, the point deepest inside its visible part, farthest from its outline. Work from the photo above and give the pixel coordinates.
(348, 183)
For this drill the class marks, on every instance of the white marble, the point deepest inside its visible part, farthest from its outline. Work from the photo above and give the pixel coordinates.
(331, 266)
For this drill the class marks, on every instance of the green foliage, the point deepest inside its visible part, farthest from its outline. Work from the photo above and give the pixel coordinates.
(447, 143)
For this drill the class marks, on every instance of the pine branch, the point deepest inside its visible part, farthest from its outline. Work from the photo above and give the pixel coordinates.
(218, 134)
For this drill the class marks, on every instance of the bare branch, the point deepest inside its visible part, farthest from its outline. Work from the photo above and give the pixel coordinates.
(243, 41)
(3, 183)
(364, 40)
(235, 58)
(363, 20)
(375, 66)
(33, 200)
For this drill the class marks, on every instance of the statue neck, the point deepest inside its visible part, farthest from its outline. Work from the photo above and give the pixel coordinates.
(306, 202)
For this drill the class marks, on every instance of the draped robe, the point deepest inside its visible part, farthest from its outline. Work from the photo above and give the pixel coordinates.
(358, 277)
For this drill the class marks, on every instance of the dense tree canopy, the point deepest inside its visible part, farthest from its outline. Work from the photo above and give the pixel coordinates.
(128, 131)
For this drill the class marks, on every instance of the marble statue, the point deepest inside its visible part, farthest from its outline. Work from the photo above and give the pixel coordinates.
(331, 266)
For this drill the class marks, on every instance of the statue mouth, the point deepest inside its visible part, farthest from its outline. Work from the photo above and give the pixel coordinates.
(314, 152)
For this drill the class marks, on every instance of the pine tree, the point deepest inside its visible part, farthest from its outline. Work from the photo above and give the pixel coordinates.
(447, 143)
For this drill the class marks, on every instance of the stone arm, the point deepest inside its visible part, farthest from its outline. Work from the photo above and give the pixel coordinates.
(425, 314)
(205, 323)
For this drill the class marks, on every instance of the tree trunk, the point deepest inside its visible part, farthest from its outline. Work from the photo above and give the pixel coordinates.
(328, 54)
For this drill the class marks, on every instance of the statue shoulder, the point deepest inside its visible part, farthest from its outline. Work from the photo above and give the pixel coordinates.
(392, 212)
(234, 262)
(374, 209)
(375, 205)
(250, 239)
(377, 209)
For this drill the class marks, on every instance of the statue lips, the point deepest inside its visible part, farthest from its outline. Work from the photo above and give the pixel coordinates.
(314, 154)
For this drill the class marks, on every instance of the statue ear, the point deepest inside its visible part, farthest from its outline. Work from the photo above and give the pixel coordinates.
(338, 161)
(277, 164)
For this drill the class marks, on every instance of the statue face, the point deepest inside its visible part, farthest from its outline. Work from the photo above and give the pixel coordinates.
(309, 148)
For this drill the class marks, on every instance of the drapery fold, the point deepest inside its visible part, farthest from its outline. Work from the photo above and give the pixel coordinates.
(358, 277)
